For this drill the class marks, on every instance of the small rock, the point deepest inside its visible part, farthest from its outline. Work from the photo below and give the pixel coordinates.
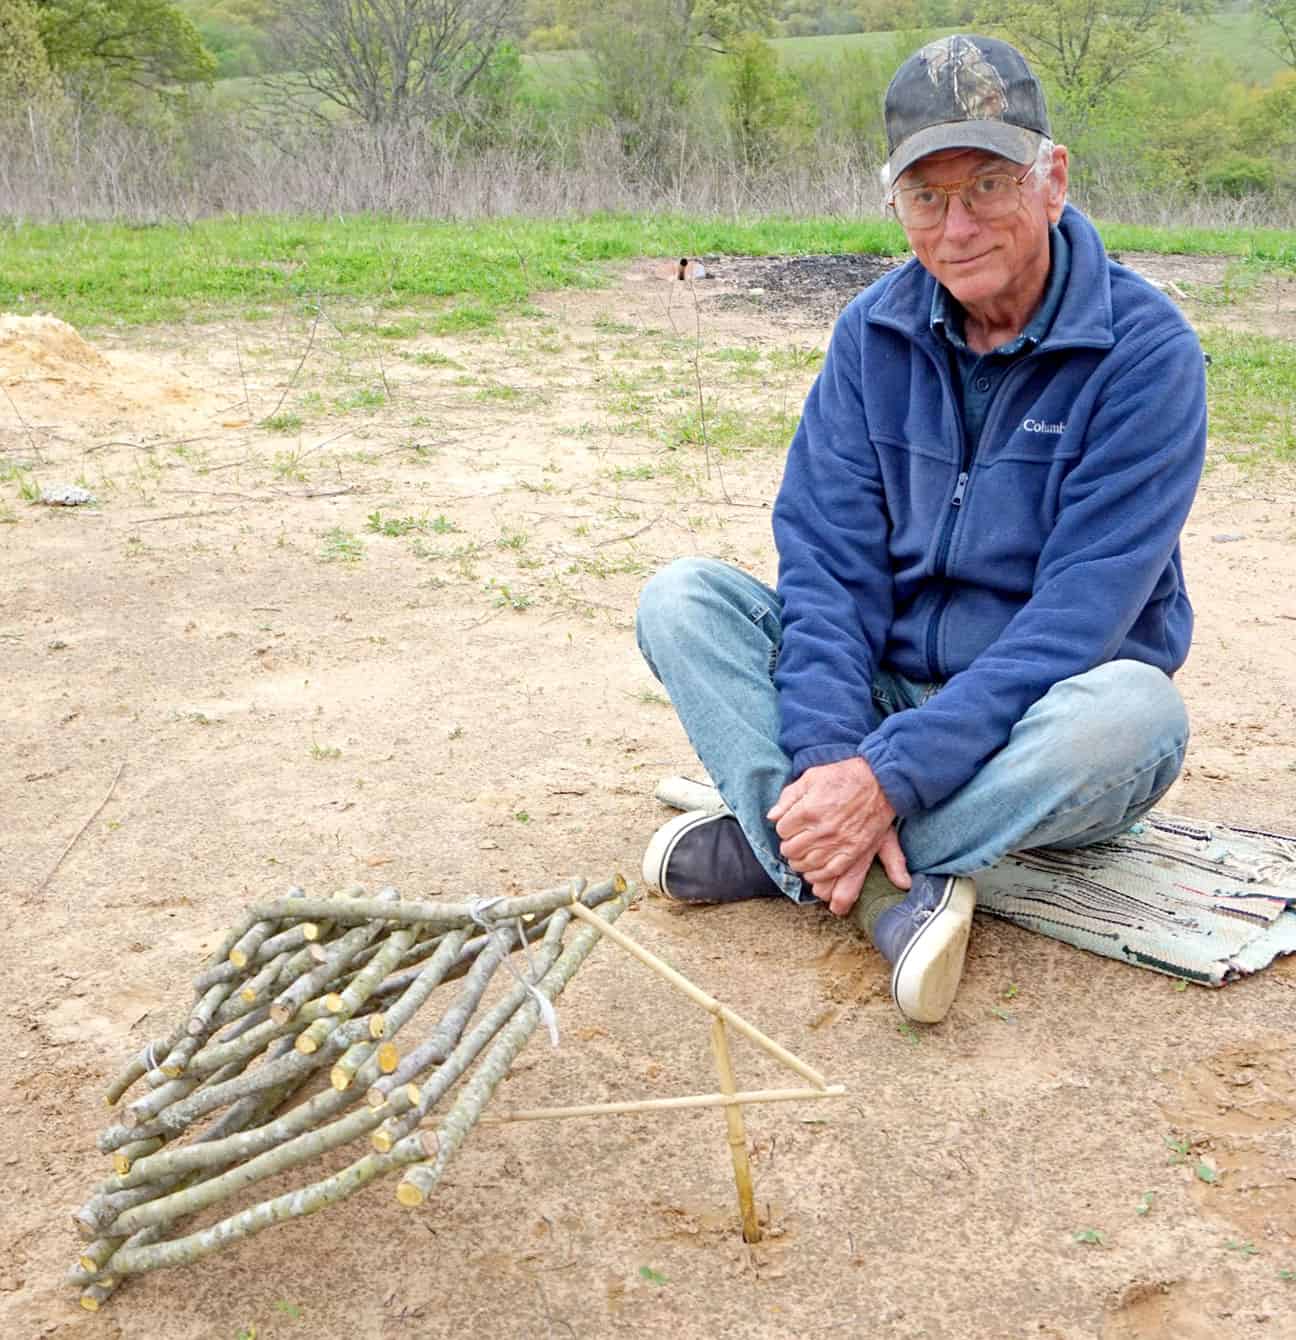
(1228, 536)
(66, 495)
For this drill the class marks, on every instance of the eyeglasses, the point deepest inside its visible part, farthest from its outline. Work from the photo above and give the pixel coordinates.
(993, 195)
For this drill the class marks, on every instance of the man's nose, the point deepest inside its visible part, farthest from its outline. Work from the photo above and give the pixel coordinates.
(959, 220)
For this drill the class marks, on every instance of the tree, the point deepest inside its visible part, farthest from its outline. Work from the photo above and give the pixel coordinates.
(145, 44)
(24, 66)
(1278, 18)
(392, 62)
(1090, 48)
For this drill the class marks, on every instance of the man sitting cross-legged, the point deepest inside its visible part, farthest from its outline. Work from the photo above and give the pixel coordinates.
(980, 602)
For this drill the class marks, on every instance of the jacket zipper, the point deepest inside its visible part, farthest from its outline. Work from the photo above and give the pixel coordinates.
(956, 502)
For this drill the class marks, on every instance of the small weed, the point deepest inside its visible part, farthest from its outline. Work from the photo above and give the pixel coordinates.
(1181, 984)
(502, 393)
(506, 598)
(432, 358)
(248, 1332)
(1288, 1275)
(28, 489)
(340, 546)
(1091, 1237)
(456, 733)
(651, 698)
(288, 465)
(396, 525)
(398, 330)
(282, 423)
(1244, 1248)
(1179, 1150)
(1011, 991)
(321, 752)
(522, 817)
(624, 473)
(651, 1275)
(293, 1311)
(1205, 1173)
(908, 1032)
(8, 517)
(1000, 1013)
(607, 324)
(467, 316)
(368, 397)
(796, 358)
(442, 525)
(1145, 1204)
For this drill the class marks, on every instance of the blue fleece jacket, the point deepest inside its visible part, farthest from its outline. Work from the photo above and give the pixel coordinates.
(1051, 549)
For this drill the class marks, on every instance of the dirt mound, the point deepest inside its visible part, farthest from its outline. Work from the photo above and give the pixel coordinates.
(38, 347)
(53, 377)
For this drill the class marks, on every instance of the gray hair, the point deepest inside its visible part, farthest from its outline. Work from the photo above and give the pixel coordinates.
(1039, 170)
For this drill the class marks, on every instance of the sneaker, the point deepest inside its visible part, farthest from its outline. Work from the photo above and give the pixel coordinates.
(703, 857)
(925, 940)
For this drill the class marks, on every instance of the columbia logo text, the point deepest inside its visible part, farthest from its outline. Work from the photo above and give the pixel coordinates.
(1039, 426)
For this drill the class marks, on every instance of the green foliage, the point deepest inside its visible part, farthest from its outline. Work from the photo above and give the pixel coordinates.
(1090, 50)
(24, 66)
(114, 45)
(768, 117)
(1278, 20)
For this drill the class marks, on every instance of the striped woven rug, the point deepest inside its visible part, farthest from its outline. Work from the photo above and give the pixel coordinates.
(1204, 902)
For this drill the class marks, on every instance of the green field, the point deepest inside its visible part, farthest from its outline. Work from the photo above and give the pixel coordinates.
(96, 274)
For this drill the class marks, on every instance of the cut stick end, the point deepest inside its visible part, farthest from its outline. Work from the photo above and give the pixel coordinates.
(89, 1302)
(340, 1078)
(388, 1058)
(88, 1263)
(238, 957)
(409, 1195)
(334, 1003)
(376, 1098)
(306, 1045)
(248, 994)
(382, 1141)
(281, 1014)
(121, 1164)
(310, 932)
(377, 1026)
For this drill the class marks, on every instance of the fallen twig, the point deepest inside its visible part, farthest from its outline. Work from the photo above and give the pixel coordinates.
(40, 888)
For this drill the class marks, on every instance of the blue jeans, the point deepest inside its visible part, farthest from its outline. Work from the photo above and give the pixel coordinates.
(1083, 763)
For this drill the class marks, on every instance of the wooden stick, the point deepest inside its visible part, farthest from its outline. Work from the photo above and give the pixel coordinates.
(644, 1105)
(419, 1179)
(737, 1133)
(40, 888)
(700, 997)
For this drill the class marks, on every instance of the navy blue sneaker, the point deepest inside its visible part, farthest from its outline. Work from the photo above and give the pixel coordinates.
(703, 857)
(924, 938)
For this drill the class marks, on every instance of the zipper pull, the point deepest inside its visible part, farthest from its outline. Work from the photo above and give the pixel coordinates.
(959, 490)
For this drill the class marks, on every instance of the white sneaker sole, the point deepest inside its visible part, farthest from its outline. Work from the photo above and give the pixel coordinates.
(927, 974)
(662, 844)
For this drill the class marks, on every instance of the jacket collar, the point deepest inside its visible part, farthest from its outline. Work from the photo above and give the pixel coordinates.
(1083, 321)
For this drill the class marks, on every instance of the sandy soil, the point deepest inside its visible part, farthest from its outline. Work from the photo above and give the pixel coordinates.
(285, 695)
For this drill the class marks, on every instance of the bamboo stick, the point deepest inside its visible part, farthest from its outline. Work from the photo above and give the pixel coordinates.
(700, 997)
(418, 1180)
(736, 1133)
(643, 1106)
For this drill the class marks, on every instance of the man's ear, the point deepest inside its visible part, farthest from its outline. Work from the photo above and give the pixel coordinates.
(1055, 190)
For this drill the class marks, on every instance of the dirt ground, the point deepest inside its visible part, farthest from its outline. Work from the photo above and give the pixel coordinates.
(392, 641)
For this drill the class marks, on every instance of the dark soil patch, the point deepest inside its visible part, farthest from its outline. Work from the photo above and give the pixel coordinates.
(807, 290)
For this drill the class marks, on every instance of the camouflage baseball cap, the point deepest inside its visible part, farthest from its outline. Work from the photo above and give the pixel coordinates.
(964, 92)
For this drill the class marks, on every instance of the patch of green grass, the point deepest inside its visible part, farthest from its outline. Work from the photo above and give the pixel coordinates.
(1090, 1237)
(1251, 392)
(796, 358)
(338, 545)
(466, 317)
(282, 423)
(324, 752)
(501, 393)
(731, 431)
(367, 397)
(432, 358)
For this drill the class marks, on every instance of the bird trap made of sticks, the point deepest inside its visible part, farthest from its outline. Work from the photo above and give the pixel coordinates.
(301, 987)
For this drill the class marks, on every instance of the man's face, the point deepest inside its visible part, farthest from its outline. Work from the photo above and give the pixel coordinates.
(987, 262)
